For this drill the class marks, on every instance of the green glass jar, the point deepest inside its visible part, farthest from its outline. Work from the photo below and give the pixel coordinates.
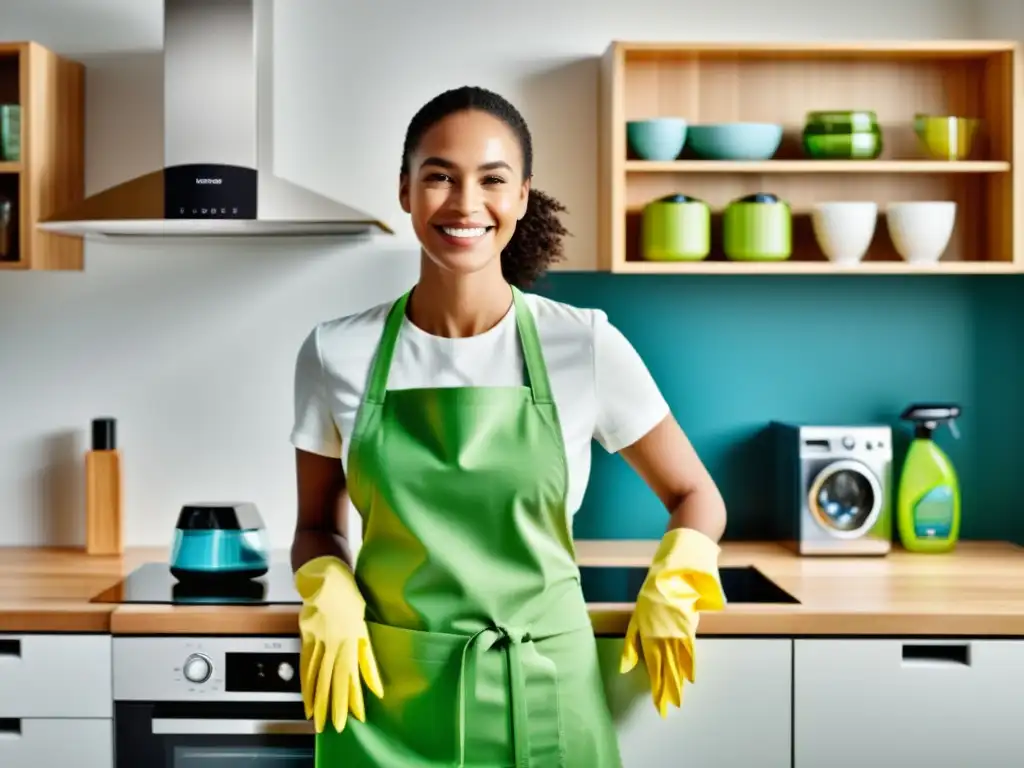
(842, 135)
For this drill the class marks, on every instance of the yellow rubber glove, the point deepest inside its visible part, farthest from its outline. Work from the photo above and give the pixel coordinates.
(335, 643)
(682, 581)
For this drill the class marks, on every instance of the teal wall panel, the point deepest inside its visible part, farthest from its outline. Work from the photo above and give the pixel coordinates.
(733, 353)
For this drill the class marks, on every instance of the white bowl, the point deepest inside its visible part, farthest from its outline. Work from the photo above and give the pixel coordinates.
(844, 229)
(920, 231)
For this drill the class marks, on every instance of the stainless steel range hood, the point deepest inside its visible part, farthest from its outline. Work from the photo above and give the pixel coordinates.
(217, 177)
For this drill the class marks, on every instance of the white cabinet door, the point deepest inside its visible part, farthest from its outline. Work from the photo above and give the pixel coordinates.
(55, 676)
(893, 704)
(44, 743)
(738, 713)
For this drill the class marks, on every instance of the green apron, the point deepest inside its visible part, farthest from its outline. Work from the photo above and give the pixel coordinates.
(475, 613)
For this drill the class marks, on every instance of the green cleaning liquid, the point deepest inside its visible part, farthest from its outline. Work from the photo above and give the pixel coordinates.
(928, 497)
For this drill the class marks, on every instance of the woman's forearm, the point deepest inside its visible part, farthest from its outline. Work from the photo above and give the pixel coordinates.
(310, 544)
(702, 510)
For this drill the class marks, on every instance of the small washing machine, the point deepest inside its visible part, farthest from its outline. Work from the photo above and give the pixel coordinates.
(834, 488)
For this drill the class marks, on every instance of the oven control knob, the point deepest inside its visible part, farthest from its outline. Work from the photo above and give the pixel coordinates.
(197, 668)
(286, 672)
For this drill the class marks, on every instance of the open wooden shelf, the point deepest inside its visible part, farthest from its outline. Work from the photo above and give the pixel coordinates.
(818, 166)
(50, 173)
(781, 83)
(791, 267)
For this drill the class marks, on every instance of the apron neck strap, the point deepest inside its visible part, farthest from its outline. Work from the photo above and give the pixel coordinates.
(529, 340)
(386, 350)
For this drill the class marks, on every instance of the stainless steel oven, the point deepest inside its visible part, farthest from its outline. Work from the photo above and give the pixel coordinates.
(209, 702)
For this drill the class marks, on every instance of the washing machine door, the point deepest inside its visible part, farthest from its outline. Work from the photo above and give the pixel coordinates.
(845, 498)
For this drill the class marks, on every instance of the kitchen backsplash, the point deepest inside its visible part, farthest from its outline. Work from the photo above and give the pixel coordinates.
(162, 339)
(732, 353)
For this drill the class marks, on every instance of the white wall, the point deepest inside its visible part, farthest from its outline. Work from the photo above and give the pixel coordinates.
(193, 350)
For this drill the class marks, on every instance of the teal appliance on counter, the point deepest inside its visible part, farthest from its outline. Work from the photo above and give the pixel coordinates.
(218, 541)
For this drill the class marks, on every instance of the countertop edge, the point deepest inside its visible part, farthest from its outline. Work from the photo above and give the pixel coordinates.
(56, 617)
(976, 591)
(607, 620)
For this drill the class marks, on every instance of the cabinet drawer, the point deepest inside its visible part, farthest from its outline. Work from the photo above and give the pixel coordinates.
(55, 676)
(46, 743)
(945, 703)
(738, 714)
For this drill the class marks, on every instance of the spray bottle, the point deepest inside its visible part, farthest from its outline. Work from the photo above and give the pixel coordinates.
(928, 498)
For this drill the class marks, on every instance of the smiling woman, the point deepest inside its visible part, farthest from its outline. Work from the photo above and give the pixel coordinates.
(468, 164)
(459, 421)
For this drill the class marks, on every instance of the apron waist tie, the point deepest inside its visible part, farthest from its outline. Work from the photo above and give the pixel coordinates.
(481, 642)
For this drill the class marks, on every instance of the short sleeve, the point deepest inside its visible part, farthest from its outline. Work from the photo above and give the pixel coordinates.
(314, 430)
(629, 403)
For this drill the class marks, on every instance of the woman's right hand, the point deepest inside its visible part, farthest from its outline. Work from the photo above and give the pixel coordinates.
(335, 643)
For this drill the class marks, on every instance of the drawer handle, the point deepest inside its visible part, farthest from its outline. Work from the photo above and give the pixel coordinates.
(9, 728)
(10, 648)
(953, 654)
(197, 727)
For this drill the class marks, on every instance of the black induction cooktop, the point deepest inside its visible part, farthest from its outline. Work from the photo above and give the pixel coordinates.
(152, 583)
(621, 584)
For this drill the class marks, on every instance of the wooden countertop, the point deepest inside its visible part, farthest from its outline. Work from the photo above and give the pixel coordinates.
(977, 590)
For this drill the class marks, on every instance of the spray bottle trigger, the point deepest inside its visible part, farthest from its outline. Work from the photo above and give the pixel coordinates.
(953, 428)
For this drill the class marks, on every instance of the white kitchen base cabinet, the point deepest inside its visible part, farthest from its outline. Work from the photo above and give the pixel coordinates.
(56, 701)
(56, 676)
(893, 704)
(44, 743)
(738, 713)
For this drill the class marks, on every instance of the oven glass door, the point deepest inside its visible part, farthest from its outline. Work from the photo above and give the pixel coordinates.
(217, 736)
(241, 757)
(234, 743)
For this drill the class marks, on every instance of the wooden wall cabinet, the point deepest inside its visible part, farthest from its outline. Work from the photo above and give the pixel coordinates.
(50, 173)
(780, 83)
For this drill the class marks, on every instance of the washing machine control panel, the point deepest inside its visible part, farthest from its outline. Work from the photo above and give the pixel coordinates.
(847, 442)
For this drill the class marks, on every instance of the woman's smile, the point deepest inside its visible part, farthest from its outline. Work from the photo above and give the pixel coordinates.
(466, 236)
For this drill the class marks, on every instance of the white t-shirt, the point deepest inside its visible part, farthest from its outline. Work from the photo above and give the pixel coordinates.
(601, 387)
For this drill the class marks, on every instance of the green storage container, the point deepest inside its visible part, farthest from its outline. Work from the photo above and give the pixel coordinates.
(758, 228)
(676, 228)
(10, 132)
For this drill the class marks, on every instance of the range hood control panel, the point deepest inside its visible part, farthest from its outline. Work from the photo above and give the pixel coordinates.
(210, 191)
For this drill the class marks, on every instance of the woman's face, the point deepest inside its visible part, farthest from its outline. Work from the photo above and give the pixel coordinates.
(465, 190)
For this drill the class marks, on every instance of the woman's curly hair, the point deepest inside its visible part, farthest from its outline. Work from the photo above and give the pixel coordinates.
(537, 240)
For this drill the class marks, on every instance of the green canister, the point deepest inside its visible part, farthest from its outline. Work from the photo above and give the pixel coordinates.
(10, 132)
(676, 228)
(758, 228)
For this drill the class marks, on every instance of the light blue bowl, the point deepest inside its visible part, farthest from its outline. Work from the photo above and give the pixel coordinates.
(660, 138)
(735, 141)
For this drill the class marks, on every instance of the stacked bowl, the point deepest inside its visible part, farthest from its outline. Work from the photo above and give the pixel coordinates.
(663, 139)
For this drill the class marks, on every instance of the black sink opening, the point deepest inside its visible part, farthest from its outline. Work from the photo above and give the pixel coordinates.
(621, 584)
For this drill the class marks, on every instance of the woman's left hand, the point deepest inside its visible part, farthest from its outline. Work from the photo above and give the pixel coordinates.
(682, 581)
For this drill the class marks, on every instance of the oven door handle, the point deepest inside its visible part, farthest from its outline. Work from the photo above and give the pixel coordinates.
(182, 726)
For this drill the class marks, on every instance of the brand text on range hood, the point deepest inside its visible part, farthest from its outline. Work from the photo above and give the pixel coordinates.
(218, 174)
